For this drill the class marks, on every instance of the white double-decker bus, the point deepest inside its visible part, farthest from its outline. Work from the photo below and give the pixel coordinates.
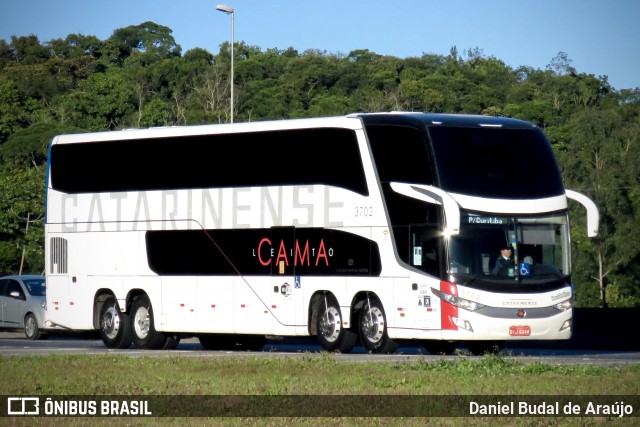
(372, 227)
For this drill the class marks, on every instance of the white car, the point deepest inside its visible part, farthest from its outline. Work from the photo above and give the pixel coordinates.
(23, 304)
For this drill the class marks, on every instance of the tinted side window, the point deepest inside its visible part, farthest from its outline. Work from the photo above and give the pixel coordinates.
(400, 154)
(290, 157)
(274, 251)
(35, 287)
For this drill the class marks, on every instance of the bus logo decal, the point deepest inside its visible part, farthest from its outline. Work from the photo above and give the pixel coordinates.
(301, 256)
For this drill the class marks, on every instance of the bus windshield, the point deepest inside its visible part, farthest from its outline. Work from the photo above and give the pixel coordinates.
(496, 163)
(537, 247)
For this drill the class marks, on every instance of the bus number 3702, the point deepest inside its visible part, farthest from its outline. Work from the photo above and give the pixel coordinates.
(363, 211)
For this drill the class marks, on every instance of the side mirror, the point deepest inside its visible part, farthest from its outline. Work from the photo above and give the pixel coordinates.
(593, 215)
(431, 194)
(16, 295)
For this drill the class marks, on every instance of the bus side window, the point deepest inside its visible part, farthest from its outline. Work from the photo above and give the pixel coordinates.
(430, 259)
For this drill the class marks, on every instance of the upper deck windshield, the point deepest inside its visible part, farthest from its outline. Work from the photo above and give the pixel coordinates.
(496, 163)
(539, 247)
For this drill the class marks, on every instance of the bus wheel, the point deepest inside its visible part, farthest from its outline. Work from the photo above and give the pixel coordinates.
(373, 328)
(440, 347)
(115, 329)
(479, 348)
(332, 335)
(144, 331)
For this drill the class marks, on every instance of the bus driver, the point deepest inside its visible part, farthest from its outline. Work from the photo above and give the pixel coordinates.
(504, 261)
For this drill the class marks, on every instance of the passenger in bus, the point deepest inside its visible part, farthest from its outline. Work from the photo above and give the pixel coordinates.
(504, 261)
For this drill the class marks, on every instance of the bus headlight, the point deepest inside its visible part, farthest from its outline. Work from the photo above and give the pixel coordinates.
(564, 305)
(465, 304)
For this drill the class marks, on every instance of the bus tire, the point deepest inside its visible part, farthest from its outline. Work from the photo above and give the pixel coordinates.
(479, 348)
(373, 328)
(115, 327)
(332, 335)
(440, 347)
(143, 328)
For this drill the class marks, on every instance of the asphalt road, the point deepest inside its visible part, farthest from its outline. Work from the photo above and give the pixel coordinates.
(15, 344)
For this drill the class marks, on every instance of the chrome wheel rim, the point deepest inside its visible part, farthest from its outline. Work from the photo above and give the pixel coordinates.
(142, 323)
(111, 322)
(331, 324)
(373, 324)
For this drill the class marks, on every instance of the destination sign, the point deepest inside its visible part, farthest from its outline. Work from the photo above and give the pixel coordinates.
(486, 220)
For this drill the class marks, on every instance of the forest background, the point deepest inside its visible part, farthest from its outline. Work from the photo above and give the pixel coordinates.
(139, 77)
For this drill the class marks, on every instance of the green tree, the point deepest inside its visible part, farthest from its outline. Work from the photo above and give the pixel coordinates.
(28, 50)
(102, 101)
(6, 54)
(76, 46)
(601, 159)
(329, 105)
(11, 112)
(28, 147)
(151, 41)
(21, 220)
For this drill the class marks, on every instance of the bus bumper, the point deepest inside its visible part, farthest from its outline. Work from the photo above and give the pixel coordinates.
(471, 326)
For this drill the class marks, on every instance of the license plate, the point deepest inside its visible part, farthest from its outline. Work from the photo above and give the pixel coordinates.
(519, 331)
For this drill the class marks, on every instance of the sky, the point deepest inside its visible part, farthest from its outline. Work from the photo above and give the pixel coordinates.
(600, 37)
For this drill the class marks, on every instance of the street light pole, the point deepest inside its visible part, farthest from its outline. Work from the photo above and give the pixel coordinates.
(229, 11)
